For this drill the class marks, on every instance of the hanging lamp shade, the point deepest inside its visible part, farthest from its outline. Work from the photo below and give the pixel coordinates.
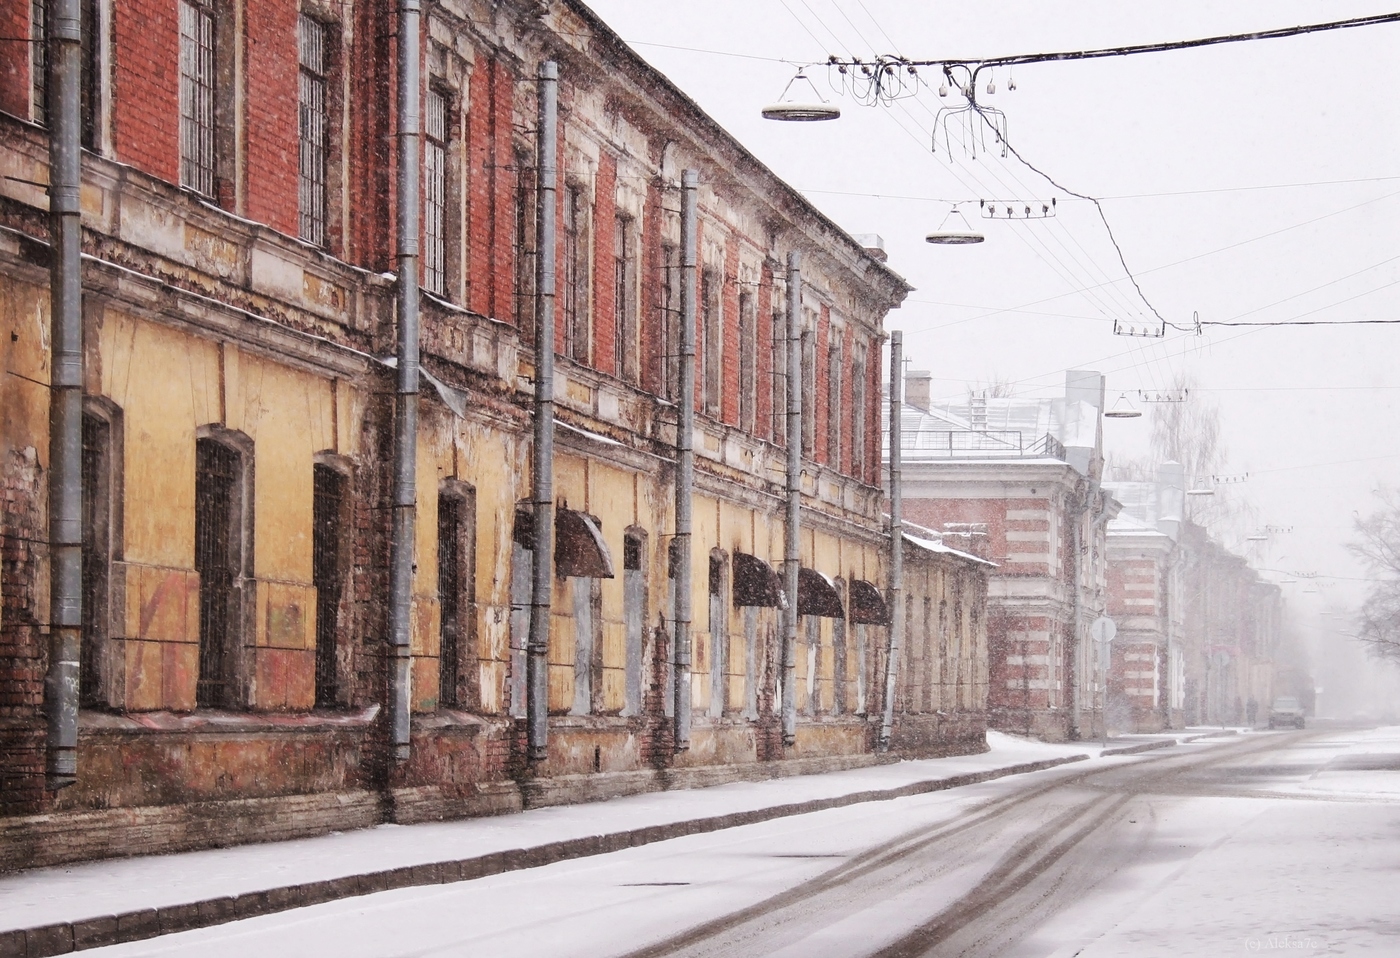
(948, 235)
(1123, 409)
(792, 110)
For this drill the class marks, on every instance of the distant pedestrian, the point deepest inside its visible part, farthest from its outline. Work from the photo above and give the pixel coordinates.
(1251, 711)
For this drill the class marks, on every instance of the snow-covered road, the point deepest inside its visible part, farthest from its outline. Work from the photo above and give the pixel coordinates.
(1268, 843)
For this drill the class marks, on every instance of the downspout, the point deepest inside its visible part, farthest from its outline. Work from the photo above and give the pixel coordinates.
(792, 534)
(542, 480)
(64, 33)
(896, 589)
(685, 458)
(406, 401)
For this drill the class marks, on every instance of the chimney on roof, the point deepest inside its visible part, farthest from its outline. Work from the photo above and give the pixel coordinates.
(874, 244)
(1085, 385)
(917, 383)
(1171, 497)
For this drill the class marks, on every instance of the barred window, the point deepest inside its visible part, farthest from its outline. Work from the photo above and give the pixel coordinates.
(625, 298)
(713, 352)
(860, 463)
(575, 276)
(89, 89)
(670, 320)
(524, 244)
(39, 58)
(780, 372)
(197, 97)
(834, 397)
(435, 194)
(311, 110)
(748, 361)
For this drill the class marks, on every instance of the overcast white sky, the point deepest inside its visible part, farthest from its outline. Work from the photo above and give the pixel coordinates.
(1182, 145)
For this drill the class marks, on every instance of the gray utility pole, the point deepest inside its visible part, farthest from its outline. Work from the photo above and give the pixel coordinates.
(792, 541)
(64, 33)
(896, 588)
(542, 480)
(685, 456)
(406, 404)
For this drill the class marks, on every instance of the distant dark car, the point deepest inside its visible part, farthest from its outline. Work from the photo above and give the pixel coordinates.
(1286, 711)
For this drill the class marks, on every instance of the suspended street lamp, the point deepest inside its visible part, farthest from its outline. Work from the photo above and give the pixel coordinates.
(793, 111)
(1123, 409)
(943, 236)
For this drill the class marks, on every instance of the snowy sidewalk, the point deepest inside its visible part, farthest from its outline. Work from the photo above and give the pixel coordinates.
(53, 910)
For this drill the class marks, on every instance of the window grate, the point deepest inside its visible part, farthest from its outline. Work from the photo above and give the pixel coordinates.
(328, 501)
(216, 481)
(524, 245)
(39, 62)
(575, 276)
(313, 118)
(624, 295)
(670, 321)
(435, 194)
(196, 98)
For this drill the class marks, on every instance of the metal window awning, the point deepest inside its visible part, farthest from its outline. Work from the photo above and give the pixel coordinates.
(817, 596)
(756, 583)
(867, 604)
(579, 549)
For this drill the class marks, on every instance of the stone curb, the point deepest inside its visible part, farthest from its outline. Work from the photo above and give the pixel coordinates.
(65, 937)
(1125, 750)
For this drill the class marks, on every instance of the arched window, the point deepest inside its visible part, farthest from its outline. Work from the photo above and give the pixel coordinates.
(101, 478)
(223, 557)
(330, 565)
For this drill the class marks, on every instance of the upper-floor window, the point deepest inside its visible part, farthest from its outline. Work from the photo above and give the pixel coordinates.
(575, 275)
(808, 385)
(780, 376)
(711, 322)
(197, 92)
(90, 58)
(670, 320)
(524, 243)
(748, 361)
(835, 396)
(39, 58)
(860, 397)
(625, 297)
(313, 123)
(435, 193)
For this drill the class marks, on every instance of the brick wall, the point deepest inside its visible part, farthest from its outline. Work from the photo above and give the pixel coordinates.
(146, 86)
(270, 113)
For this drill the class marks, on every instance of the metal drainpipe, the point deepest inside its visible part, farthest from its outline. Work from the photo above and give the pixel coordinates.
(64, 33)
(792, 534)
(685, 457)
(542, 492)
(896, 588)
(406, 405)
